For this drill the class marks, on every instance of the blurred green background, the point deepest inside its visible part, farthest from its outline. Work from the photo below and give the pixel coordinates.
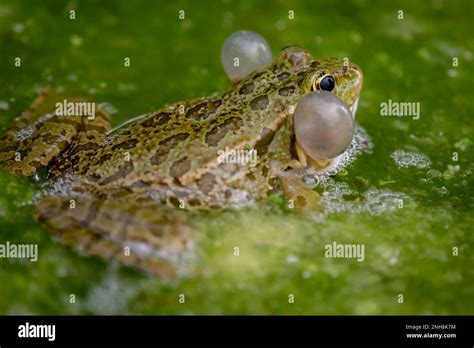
(407, 251)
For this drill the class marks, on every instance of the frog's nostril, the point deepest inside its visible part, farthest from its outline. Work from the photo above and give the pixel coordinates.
(323, 125)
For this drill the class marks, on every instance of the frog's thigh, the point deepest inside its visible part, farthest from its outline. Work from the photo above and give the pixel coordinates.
(38, 136)
(89, 138)
(149, 236)
(304, 198)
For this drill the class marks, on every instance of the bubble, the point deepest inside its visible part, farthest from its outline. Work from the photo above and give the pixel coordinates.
(76, 40)
(306, 274)
(72, 77)
(242, 53)
(292, 259)
(404, 159)
(373, 201)
(110, 296)
(324, 125)
(442, 191)
(18, 27)
(453, 73)
(4, 105)
(108, 107)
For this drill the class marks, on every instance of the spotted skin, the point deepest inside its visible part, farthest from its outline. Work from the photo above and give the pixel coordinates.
(38, 138)
(127, 229)
(134, 185)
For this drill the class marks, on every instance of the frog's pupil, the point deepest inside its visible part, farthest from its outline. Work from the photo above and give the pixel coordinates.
(327, 83)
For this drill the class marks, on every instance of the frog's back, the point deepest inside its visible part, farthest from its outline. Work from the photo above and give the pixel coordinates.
(181, 142)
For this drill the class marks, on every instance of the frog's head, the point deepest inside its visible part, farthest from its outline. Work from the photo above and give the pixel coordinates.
(339, 76)
(322, 138)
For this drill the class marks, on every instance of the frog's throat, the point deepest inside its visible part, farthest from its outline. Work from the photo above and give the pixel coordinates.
(320, 164)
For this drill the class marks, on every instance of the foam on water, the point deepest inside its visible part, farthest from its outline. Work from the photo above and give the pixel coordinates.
(111, 295)
(404, 159)
(361, 143)
(108, 107)
(182, 262)
(373, 201)
(4, 105)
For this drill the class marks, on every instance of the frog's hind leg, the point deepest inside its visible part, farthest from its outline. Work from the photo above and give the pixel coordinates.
(137, 233)
(38, 135)
(90, 137)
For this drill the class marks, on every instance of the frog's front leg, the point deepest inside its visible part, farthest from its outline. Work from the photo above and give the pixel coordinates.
(284, 159)
(132, 230)
(300, 196)
(38, 136)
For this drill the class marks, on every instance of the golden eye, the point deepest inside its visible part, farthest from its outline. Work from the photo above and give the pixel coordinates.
(326, 83)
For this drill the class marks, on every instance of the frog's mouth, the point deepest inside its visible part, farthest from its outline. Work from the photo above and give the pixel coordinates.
(353, 107)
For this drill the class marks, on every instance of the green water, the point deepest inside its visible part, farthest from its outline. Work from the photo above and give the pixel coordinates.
(408, 251)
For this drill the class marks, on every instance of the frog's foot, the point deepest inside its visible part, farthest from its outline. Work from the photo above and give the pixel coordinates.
(300, 196)
(137, 233)
(38, 135)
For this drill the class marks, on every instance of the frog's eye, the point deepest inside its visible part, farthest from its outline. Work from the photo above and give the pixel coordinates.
(326, 83)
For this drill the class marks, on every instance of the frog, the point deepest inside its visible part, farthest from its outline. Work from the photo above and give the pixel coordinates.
(126, 194)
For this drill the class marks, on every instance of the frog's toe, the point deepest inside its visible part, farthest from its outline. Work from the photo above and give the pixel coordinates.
(301, 196)
(149, 236)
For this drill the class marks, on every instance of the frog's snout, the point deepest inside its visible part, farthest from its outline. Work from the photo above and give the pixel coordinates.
(348, 85)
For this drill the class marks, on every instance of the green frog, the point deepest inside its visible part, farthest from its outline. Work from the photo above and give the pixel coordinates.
(125, 195)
